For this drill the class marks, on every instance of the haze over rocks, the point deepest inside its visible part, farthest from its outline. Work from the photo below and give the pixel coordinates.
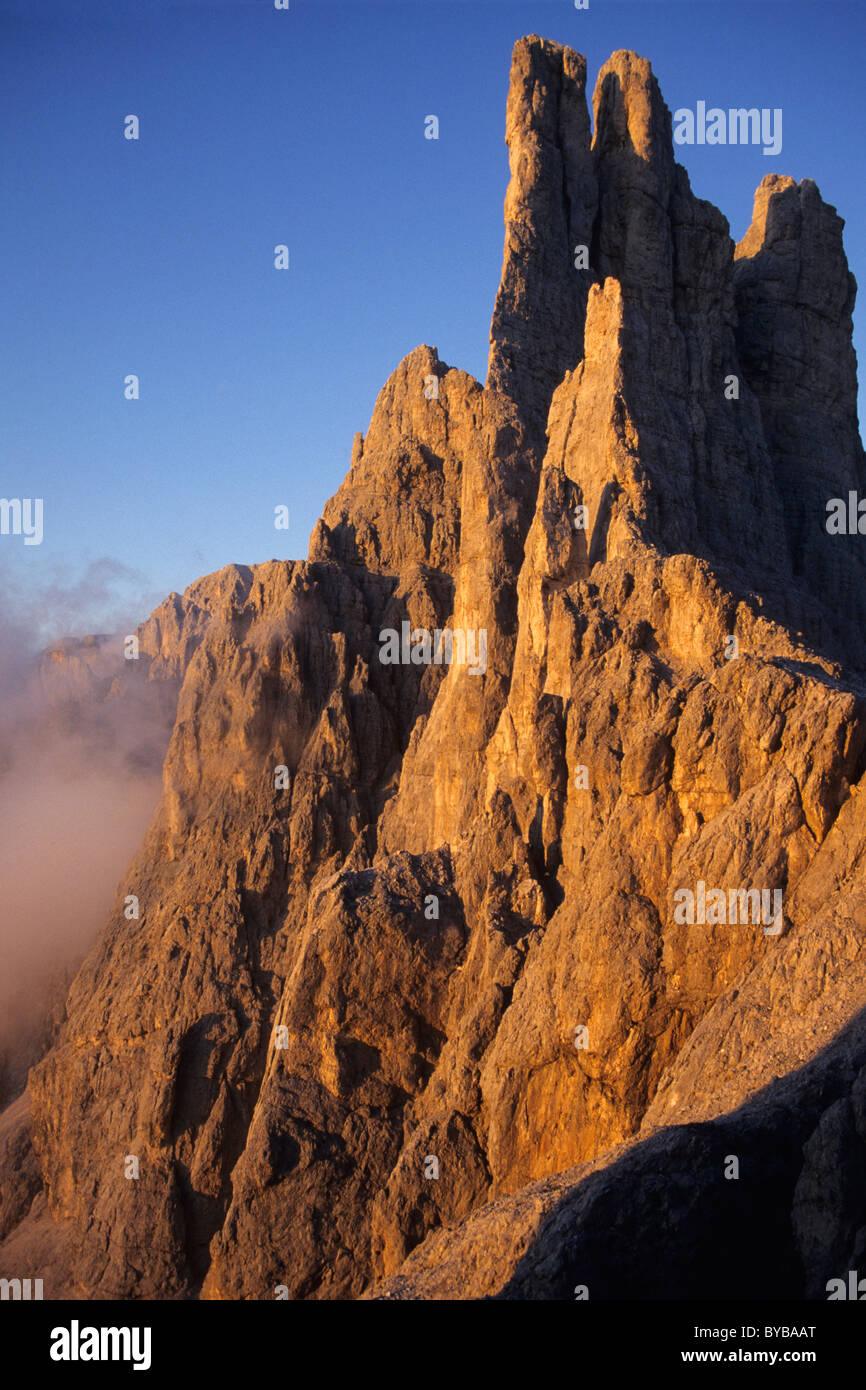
(388, 954)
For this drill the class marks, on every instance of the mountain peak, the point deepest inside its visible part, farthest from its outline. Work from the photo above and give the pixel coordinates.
(468, 821)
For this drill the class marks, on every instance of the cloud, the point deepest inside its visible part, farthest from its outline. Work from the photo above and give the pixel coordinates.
(82, 738)
(107, 596)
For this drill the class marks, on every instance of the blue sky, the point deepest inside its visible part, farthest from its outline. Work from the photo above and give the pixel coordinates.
(303, 127)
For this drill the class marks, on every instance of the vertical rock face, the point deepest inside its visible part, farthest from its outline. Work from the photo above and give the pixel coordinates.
(794, 296)
(537, 329)
(410, 947)
(738, 442)
(704, 482)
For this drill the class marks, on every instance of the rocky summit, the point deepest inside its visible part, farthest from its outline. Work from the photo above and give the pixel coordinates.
(452, 975)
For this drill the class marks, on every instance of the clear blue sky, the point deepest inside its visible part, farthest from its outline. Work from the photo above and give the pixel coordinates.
(303, 127)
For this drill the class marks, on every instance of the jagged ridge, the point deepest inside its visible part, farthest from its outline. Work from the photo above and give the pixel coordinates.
(303, 907)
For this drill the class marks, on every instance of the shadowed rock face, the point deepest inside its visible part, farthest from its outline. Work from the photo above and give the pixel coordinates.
(537, 329)
(794, 296)
(410, 1010)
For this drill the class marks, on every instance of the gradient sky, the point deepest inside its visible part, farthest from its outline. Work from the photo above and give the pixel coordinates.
(303, 127)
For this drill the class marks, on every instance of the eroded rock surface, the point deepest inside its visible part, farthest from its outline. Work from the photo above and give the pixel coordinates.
(409, 1010)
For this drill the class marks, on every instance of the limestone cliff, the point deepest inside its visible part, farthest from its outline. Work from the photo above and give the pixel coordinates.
(410, 1010)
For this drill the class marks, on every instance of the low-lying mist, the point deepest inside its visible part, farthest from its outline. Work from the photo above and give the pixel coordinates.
(82, 738)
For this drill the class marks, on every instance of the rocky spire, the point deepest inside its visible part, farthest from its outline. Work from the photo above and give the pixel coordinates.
(537, 330)
(634, 168)
(795, 296)
(740, 405)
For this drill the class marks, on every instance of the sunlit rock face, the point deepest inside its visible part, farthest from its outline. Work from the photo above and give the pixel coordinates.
(413, 1007)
